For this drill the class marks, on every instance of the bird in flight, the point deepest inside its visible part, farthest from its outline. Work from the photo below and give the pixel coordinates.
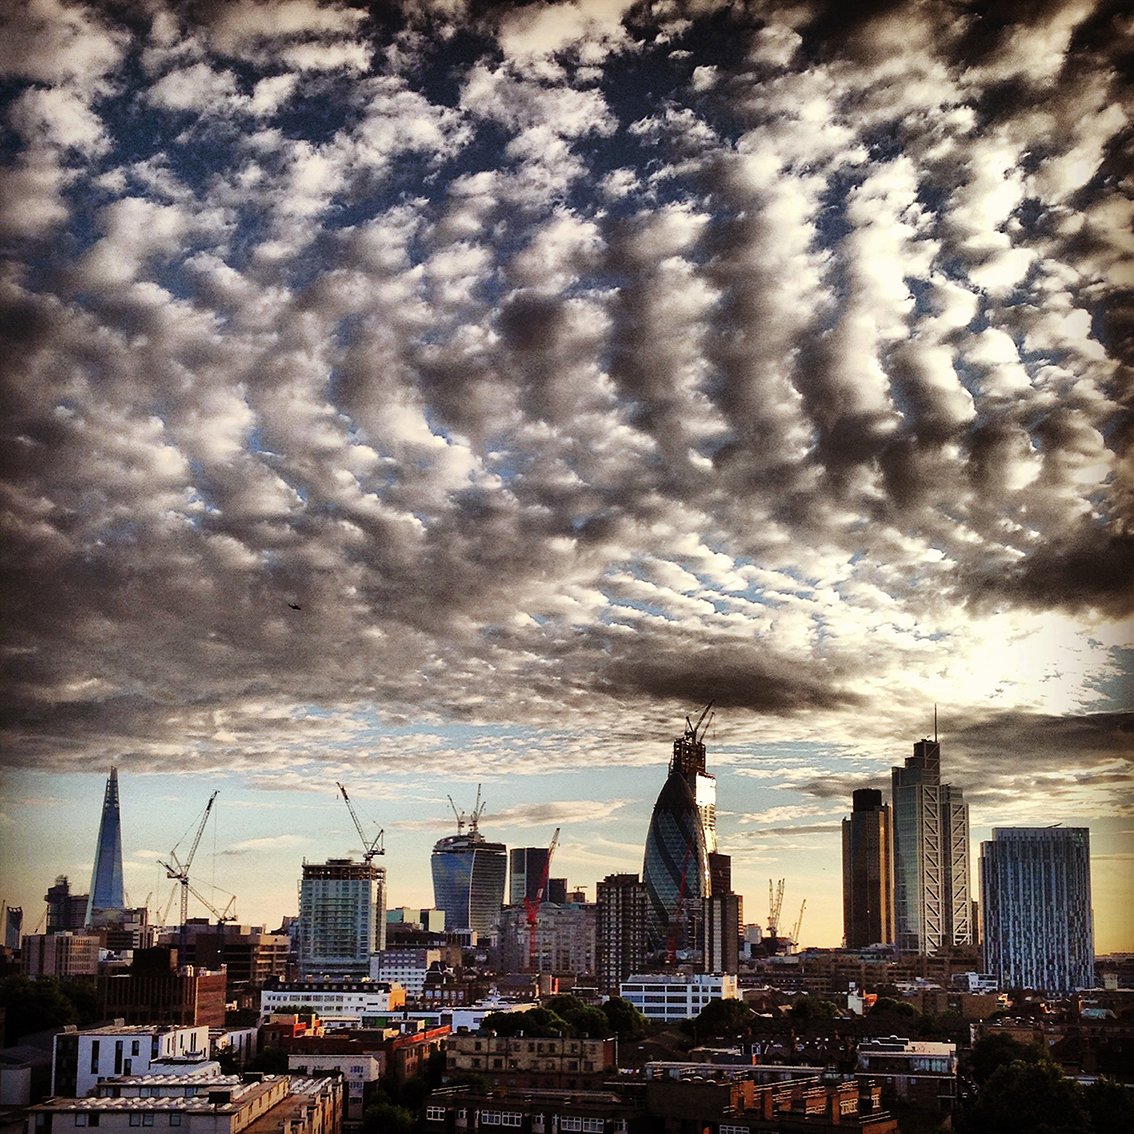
(295, 606)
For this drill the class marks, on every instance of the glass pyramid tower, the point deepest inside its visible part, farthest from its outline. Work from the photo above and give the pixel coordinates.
(107, 892)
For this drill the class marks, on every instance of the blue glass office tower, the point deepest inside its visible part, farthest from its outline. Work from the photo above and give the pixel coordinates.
(468, 880)
(107, 891)
(681, 838)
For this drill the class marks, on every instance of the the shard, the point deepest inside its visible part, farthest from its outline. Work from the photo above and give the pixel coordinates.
(107, 892)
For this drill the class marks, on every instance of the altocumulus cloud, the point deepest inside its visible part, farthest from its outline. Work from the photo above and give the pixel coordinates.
(500, 365)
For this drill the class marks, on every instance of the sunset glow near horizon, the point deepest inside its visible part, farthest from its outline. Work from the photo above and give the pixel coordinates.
(456, 394)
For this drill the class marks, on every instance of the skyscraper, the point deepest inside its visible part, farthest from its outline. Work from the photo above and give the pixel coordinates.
(1036, 899)
(868, 906)
(682, 835)
(107, 893)
(620, 933)
(468, 877)
(931, 855)
(342, 917)
(526, 867)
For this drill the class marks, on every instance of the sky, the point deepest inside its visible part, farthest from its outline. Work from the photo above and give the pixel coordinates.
(459, 393)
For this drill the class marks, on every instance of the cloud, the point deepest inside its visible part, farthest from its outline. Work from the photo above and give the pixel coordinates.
(587, 360)
(272, 842)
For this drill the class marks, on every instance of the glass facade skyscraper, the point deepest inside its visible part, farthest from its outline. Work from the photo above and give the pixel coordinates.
(932, 909)
(107, 892)
(1036, 900)
(681, 837)
(468, 880)
(868, 907)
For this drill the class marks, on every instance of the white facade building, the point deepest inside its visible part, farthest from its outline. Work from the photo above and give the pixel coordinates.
(405, 965)
(358, 1069)
(677, 996)
(346, 1001)
(82, 1058)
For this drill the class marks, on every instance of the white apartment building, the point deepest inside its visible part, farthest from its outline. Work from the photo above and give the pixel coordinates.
(405, 965)
(677, 996)
(357, 1068)
(347, 1001)
(82, 1058)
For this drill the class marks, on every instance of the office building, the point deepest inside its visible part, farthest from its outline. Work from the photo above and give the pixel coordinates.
(681, 836)
(722, 933)
(1036, 897)
(932, 907)
(621, 943)
(342, 917)
(670, 997)
(107, 895)
(564, 939)
(526, 868)
(468, 877)
(868, 905)
(60, 954)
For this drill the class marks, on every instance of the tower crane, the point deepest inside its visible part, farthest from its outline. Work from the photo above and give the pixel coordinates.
(798, 922)
(531, 906)
(775, 904)
(460, 816)
(179, 871)
(370, 847)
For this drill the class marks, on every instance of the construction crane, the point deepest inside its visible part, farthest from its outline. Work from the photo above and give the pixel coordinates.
(798, 922)
(460, 816)
(775, 904)
(370, 847)
(179, 871)
(531, 906)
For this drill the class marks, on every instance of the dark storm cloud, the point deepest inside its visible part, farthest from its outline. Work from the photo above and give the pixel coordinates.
(589, 352)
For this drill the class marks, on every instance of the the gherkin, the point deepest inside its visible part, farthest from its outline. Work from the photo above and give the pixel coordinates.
(681, 837)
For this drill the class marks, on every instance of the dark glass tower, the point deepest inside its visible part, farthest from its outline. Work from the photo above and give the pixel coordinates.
(107, 891)
(868, 901)
(681, 837)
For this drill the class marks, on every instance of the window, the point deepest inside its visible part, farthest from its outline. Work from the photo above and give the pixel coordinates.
(136, 1047)
(566, 1123)
(80, 1120)
(148, 1119)
(175, 1118)
(135, 1120)
(94, 1057)
(435, 1114)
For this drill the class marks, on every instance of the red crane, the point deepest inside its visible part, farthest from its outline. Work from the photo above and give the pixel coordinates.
(531, 907)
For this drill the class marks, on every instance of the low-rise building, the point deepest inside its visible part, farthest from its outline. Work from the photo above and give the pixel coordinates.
(82, 1058)
(338, 1003)
(266, 1103)
(359, 1068)
(459, 1109)
(677, 996)
(920, 1071)
(530, 1061)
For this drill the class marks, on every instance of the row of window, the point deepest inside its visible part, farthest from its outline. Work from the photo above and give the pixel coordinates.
(138, 1118)
(501, 1118)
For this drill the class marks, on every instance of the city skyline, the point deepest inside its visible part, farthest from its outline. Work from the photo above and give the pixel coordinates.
(455, 394)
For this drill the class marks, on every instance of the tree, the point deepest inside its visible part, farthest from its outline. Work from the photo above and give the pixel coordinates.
(626, 1022)
(1027, 1097)
(34, 1006)
(995, 1050)
(722, 1018)
(1110, 1106)
(386, 1118)
(808, 1008)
